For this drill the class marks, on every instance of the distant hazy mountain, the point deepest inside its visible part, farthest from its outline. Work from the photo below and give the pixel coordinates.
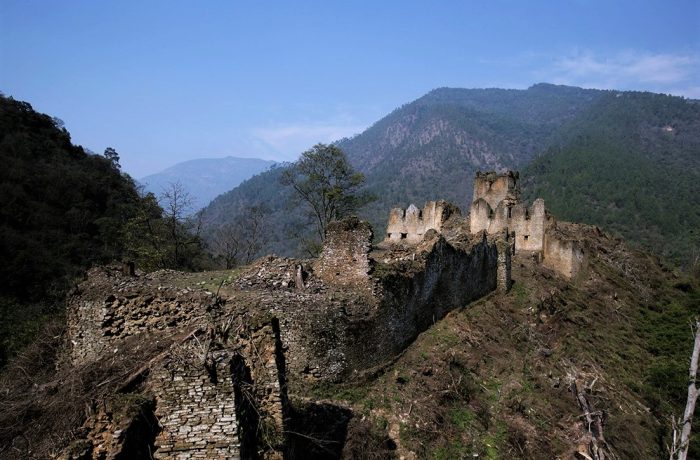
(206, 178)
(629, 161)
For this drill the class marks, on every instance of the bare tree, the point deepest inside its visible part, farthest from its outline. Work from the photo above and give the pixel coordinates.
(239, 242)
(227, 244)
(183, 230)
(679, 449)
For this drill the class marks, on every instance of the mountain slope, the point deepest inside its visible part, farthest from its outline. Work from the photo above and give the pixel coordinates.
(496, 378)
(631, 165)
(431, 148)
(62, 210)
(206, 178)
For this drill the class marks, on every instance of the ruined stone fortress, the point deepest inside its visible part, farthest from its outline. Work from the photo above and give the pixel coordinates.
(220, 387)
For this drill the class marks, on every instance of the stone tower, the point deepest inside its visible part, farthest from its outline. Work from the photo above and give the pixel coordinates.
(496, 188)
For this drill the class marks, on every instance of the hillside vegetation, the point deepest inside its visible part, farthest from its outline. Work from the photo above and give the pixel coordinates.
(574, 138)
(63, 210)
(496, 379)
(631, 165)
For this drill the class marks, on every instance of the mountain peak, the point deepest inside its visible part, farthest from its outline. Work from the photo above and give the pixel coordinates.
(206, 178)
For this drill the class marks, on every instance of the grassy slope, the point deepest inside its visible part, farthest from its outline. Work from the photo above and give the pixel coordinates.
(491, 379)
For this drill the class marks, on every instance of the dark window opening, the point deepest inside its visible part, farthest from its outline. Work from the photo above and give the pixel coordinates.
(509, 211)
(525, 237)
(404, 235)
(388, 235)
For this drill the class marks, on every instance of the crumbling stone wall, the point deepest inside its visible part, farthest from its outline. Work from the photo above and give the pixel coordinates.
(411, 224)
(331, 338)
(344, 259)
(419, 288)
(563, 255)
(495, 188)
(110, 306)
(195, 406)
(222, 399)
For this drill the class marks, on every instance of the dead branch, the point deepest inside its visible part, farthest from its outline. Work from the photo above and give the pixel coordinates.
(679, 449)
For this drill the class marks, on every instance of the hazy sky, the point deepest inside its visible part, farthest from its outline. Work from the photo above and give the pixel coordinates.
(166, 81)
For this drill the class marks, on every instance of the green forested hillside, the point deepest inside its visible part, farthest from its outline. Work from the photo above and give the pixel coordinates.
(632, 166)
(62, 210)
(627, 161)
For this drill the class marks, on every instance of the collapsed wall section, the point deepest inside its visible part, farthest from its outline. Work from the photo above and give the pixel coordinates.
(219, 387)
(109, 306)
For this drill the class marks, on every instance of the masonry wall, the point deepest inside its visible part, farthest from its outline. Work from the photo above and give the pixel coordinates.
(411, 224)
(528, 223)
(226, 401)
(196, 408)
(494, 188)
(344, 259)
(563, 255)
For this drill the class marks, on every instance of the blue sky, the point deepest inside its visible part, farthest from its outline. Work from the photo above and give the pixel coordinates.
(166, 81)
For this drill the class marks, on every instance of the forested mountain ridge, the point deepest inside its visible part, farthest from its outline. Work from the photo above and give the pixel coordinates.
(61, 205)
(632, 165)
(431, 148)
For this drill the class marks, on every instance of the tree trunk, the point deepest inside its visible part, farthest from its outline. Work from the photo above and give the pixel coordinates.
(692, 397)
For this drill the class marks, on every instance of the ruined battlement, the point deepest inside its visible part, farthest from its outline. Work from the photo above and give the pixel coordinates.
(497, 208)
(496, 188)
(411, 224)
(528, 223)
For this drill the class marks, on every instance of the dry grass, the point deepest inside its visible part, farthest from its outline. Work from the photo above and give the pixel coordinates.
(44, 403)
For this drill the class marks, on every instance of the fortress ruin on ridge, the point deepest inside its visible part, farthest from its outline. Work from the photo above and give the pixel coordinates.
(230, 358)
(496, 209)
